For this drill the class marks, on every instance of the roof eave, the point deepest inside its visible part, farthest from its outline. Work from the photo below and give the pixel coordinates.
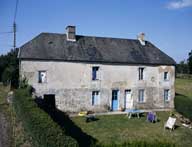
(96, 62)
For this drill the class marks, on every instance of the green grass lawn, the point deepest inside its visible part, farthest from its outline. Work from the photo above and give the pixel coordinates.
(184, 86)
(183, 99)
(119, 129)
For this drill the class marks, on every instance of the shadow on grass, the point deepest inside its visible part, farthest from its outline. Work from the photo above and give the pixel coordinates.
(183, 105)
(176, 126)
(178, 94)
(69, 127)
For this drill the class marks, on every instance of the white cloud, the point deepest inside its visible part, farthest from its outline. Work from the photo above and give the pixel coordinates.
(179, 4)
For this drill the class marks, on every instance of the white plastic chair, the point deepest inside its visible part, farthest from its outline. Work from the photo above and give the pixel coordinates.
(170, 124)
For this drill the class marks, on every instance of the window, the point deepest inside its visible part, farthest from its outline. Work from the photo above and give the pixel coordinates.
(95, 98)
(141, 69)
(165, 76)
(141, 95)
(42, 77)
(166, 95)
(95, 73)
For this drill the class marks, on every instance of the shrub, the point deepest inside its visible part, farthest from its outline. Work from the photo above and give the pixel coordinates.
(23, 82)
(43, 131)
(137, 143)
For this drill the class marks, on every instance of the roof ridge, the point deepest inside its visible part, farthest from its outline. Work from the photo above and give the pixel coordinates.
(90, 36)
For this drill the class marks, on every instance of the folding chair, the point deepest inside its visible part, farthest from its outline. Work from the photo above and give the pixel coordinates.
(170, 124)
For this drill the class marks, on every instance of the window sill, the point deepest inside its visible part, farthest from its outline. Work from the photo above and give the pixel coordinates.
(42, 83)
(96, 80)
(141, 102)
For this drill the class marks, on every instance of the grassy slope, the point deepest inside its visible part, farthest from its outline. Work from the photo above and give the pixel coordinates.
(118, 128)
(20, 138)
(183, 99)
(184, 86)
(6, 112)
(3, 93)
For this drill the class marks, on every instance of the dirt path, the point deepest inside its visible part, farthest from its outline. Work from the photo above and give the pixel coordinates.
(4, 130)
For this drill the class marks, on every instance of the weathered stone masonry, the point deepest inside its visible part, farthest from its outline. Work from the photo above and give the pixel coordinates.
(72, 84)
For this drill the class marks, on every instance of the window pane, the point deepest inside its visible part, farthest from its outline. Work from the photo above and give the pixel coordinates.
(165, 75)
(166, 94)
(141, 73)
(141, 95)
(95, 73)
(39, 77)
(92, 98)
(42, 77)
(95, 97)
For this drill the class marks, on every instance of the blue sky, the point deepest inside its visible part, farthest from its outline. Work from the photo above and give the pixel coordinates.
(166, 23)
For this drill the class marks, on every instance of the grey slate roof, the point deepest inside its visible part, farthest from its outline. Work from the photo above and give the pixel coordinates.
(53, 46)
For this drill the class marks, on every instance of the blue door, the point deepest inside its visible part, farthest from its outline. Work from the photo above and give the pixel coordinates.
(115, 95)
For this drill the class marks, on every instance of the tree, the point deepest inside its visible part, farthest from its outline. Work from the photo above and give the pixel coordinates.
(7, 75)
(182, 67)
(190, 62)
(9, 68)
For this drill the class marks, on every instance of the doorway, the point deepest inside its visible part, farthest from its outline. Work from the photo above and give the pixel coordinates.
(115, 97)
(128, 99)
(49, 100)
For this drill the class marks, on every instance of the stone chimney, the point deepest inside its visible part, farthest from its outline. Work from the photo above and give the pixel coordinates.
(141, 38)
(70, 33)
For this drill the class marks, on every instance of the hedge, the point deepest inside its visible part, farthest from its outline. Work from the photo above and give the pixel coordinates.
(138, 143)
(184, 76)
(44, 132)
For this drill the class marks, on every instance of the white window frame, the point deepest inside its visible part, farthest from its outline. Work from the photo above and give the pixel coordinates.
(143, 95)
(40, 73)
(166, 95)
(96, 94)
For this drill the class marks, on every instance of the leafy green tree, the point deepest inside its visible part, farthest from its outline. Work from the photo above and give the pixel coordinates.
(7, 75)
(182, 67)
(9, 68)
(190, 62)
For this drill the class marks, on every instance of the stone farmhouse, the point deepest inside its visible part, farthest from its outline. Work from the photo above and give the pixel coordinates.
(76, 72)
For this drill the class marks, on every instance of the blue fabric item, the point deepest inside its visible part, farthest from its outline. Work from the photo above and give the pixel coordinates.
(151, 117)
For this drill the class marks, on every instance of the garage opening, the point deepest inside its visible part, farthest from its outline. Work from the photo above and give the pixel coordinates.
(49, 100)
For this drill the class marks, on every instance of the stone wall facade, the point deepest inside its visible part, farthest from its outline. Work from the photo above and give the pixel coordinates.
(72, 84)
